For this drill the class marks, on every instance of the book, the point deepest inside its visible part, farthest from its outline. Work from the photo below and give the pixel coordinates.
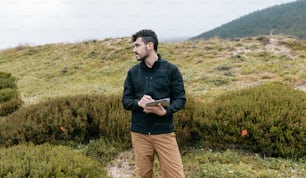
(163, 102)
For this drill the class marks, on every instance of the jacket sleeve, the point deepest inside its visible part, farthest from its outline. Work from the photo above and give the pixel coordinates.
(128, 99)
(178, 98)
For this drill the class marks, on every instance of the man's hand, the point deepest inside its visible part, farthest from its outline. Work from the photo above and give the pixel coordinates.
(145, 99)
(158, 109)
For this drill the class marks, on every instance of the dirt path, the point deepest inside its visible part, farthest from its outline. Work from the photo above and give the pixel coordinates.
(122, 166)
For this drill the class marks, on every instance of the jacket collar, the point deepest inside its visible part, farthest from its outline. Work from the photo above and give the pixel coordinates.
(155, 65)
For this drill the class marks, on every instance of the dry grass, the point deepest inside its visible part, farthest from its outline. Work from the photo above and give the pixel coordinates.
(209, 67)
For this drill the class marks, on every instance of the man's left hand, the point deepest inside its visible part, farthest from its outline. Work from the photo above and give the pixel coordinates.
(158, 110)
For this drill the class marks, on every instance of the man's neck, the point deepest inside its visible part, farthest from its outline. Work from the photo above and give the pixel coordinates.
(151, 59)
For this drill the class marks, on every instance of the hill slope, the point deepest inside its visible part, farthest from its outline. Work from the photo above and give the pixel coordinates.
(209, 67)
(288, 19)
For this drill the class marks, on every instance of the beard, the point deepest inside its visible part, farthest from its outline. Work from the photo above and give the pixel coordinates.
(142, 57)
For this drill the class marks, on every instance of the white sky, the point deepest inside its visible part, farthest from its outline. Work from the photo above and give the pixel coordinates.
(36, 22)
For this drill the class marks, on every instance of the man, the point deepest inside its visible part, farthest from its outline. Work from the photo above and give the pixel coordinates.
(152, 127)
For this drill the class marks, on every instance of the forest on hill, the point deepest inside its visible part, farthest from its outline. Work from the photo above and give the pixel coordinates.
(285, 19)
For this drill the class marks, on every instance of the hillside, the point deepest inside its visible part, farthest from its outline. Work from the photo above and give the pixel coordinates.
(209, 67)
(285, 19)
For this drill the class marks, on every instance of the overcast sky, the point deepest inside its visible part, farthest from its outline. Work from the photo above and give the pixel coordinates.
(36, 22)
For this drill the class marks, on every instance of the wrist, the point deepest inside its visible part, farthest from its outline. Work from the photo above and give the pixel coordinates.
(164, 112)
(139, 103)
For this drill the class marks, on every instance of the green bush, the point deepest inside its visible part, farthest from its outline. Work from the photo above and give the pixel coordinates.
(10, 99)
(273, 115)
(183, 123)
(47, 161)
(7, 93)
(5, 75)
(10, 106)
(77, 118)
(7, 83)
(7, 80)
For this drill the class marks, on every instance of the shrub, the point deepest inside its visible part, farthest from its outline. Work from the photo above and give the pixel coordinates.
(7, 80)
(10, 106)
(7, 93)
(5, 75)
(77, 118)
(10, 99)
(183, 123)
(47, 161)
(273, 115)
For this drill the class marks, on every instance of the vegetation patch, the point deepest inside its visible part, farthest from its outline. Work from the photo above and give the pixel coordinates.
(269, 118)
(10, 100)
(47, 160)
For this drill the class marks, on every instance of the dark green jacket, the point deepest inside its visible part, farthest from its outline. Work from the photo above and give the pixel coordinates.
(163, 80)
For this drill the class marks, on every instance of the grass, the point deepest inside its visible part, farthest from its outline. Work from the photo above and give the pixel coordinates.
(209, 67)
(233, 163)
(230, 163)
(197, 162)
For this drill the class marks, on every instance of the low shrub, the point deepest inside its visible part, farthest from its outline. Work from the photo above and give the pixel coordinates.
(47, 161)
(5, 75)
(183, 122)
(270, 119)
(77, 118)
(7, 93)
(7, 81)
(10, 106)
(10, 99)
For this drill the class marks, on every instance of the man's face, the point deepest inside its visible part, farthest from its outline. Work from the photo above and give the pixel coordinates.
(140, 49)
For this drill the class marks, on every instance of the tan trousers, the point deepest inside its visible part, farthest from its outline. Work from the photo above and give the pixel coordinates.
(167, 151)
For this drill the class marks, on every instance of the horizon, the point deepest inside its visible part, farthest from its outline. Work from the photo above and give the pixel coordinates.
(41, 22)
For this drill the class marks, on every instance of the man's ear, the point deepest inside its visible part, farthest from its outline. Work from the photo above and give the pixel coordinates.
(151, 45)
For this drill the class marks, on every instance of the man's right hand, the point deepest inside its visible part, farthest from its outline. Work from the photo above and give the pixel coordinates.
(158, 109)
(145, 99)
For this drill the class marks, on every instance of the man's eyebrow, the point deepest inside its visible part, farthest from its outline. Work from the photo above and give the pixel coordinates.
(136, 44)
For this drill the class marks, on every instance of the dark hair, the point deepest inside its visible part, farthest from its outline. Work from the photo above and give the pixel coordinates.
(147, 36)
